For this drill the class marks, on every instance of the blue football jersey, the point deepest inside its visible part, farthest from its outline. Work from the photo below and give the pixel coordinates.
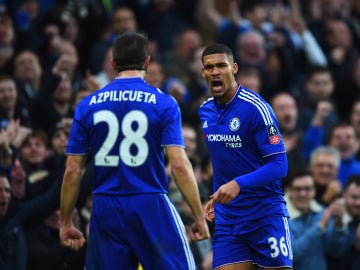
(240, 135)
(126, 126)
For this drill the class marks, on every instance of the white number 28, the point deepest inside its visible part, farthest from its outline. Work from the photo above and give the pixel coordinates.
(131, 137)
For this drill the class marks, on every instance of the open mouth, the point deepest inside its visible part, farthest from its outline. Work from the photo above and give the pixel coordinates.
(217, 84)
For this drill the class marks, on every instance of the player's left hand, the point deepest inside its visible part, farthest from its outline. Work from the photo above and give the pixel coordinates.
(226, 192)
(200, 230)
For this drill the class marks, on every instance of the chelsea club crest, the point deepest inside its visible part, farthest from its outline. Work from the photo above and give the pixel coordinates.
(234, 124)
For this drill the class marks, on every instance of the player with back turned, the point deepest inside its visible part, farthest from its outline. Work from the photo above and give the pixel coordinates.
(249, 161)
(127, 125)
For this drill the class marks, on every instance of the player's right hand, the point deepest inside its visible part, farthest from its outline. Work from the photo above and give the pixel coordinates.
(209, 210)
(226, 192)
(71, 237)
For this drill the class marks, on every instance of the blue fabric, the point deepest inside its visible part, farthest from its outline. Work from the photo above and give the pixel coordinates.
(313, 139)
(147, 225)
(265, 242)
(274, 169)
(345, 256)
(348, 168)
(242, 136)
(126, 125)
(311, 243)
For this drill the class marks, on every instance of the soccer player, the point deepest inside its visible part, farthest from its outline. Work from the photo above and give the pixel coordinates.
(127, 125)
(249, 161)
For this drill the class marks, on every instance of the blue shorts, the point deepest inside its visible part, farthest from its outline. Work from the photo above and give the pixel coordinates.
(264, 242)
(126, 230)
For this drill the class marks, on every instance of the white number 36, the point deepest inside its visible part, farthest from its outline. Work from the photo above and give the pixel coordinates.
(277, 247)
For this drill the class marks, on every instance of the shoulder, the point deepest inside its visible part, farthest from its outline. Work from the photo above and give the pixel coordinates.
(252, 98)
(255, 103)
(206, 108)
(207, 103)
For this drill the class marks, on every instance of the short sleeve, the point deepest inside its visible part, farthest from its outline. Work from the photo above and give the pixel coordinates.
(172, 132)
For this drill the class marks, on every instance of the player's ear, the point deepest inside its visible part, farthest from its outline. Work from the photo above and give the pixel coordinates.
(147, 61)
(235, 68)
(113, 64)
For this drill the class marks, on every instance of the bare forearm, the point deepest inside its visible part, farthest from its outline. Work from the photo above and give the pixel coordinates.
(70, 188)
(5, 156)
(208, 12)
(296, 8)
(186, 182)
(68, 198)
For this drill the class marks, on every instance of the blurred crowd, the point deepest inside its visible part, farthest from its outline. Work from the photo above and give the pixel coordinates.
(302, 56)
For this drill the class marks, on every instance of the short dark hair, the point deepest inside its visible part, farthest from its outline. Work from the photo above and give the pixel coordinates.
(37, 133)
(354, 179)
(6, 77)
(249, 6)
(130, 51)
(301, 171)
(315, 69)
(341, 124)
(217, 48)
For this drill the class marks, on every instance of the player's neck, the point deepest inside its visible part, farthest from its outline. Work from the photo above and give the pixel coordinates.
(131, 74)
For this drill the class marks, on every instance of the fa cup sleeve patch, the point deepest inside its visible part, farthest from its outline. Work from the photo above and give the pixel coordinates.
(274, 136)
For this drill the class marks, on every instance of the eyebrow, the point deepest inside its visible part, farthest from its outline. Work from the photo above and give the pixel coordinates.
(216, 64)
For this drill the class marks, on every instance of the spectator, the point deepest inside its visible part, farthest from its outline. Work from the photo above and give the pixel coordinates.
(52, 105)
(311, 225)
(320, 12)
(15, 121)
(10, 108)
(343, 137)
(18, 181)
(316, 106)
(38, 164)
(347, 257)
(5, 152)
(76, 98)
(44, 251)
(122, 20)
(59, 141)
(190, 141)
(251, 52)
(162, 24)
(155, 75)
(342, 59)
(7, 40)
(63, 58)
(249, 78)
(324, 166)
(302, 38)
(28, 75)
(218, 20)
(108, 72)
(16, 218)
(180, 58)
(28, 19)
(178, 70)
(284, 106)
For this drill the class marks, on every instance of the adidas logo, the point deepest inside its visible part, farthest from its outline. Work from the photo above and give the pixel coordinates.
(205, 125)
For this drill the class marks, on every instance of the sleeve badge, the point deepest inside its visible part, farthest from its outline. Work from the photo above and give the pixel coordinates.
(274, 136)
